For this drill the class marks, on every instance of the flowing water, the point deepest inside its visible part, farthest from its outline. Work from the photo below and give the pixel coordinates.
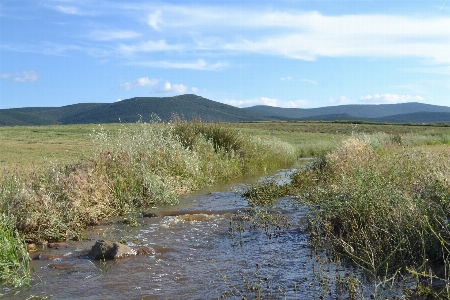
(199, 250)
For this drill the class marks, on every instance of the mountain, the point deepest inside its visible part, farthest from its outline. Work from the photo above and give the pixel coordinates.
(186, 106)
(366, 111)
(43, 115)
(418, 117)
(192, 106)
(130, 110)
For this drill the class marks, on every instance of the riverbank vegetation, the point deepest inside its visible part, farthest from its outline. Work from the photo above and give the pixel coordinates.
(382, 203)
(131, 169)
(55, 180)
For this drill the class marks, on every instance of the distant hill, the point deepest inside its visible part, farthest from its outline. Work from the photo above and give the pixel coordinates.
(43, 115)
(418, 117)
(192, 106)
(360, 111)
(187, 106)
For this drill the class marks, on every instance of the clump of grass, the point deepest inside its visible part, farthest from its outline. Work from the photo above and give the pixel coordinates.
(14, 259)
(383, 211)
(264, 193)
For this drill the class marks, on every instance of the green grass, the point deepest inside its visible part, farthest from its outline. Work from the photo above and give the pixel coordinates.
(382, 203)
(14, 259)
(129, 169)
(385, 212)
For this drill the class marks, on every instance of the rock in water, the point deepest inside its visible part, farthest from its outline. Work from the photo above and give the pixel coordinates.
(110, 250)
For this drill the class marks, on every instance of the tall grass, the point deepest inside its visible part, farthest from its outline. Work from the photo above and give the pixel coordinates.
(139, 166)
(14, 259)
(385, 211)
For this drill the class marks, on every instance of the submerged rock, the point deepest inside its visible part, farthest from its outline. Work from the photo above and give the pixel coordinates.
(58, 245)
(110, 250)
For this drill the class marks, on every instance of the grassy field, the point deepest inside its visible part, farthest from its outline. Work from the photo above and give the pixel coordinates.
(33, 146)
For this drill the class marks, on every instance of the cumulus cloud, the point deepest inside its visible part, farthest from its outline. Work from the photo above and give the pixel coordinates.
(171, 88)
(389, 98)
(339, 101)
(198, 65)
(109, 35)
(24, 76)
(294, 104)
(194, 89)
(141, 82)
(266, 101)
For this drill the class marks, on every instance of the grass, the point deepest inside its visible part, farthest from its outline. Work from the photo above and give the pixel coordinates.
(65, 177)
(14, 259)
(380, 202)
(130, 169)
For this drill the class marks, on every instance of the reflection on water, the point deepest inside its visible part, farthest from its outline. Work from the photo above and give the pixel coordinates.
(194, 256)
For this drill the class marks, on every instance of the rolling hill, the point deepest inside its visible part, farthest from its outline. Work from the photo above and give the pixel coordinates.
(363, 112)
(130, 110)
(191, 106)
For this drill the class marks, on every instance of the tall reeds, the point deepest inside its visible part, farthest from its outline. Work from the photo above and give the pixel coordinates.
(385, 211)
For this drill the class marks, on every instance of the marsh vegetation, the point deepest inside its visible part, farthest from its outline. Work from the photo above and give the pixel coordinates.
(378, 195)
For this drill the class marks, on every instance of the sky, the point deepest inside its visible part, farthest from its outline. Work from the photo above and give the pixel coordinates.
(285, 53)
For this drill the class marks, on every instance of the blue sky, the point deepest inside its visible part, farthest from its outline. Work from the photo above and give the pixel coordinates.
(281, 53)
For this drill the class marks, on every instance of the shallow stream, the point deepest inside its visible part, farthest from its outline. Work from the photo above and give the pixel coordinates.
(201, 250)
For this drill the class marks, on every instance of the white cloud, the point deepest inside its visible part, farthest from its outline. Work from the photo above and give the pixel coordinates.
(154, 19)
(252, 102)
(339, 101)
(309, 81)
(290, 33)
(286, 78)
(294, 104)
(194, 89)
(70, 10)
(171, 88)
(108, 35)
(141, 82)
(266, 101)
(24, 76)
(356, 36)
(389, 98)
(308, 35)
(443, 70)
(198, 65)
(149, 46)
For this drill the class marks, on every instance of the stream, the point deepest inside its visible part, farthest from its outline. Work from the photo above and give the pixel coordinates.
(200, 249)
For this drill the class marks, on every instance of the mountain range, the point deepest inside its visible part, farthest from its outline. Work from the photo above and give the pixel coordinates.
(192, 106)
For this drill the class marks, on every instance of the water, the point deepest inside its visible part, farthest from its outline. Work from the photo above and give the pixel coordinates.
(197, 252)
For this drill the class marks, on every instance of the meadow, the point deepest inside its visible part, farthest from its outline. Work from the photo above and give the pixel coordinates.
(54, 180)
